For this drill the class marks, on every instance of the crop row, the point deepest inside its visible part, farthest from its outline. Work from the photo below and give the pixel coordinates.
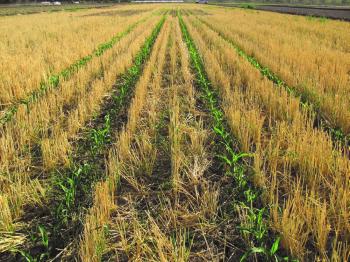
(315, 71)
(285, 148)
(247, 197)
(71, 192)
(47, 44)
(124, 154)
(322, 122)
(167, 204)
(54, 80)
(29, 158)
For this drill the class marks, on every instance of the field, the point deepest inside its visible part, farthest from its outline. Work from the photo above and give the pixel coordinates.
(20, 9)
(313, 11)
(174, 132)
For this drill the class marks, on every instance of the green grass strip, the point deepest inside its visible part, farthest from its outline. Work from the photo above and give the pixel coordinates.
(71, 192)
(335, 132)
(263, 243)
(54, 80)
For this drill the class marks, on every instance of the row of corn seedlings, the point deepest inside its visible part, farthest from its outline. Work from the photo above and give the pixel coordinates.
(70, 195)
(263, 119)
(335, 132)
(134, 156)
(155, 218)
(199, 202)
(262, 243)
(28, 187)
(54, 80)
(83, 105)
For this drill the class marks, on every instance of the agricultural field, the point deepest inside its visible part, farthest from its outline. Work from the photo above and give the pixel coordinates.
(174, 132)
(19, 9)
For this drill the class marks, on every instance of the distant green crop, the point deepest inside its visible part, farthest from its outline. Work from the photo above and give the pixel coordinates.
(101, 136)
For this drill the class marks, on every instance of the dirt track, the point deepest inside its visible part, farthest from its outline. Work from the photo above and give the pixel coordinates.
(334, 13)
(341, 13)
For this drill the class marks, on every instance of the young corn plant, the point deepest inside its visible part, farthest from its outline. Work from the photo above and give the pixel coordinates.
(101, 137)
(67, 192)
(42, 236)
(268, 253)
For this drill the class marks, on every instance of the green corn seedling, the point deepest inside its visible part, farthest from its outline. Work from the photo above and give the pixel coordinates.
(100, 137)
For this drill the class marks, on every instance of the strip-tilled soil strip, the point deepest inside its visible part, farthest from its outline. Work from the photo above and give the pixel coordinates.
(57, 226)
(336, 134)
(54, 80)
(263, 244)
